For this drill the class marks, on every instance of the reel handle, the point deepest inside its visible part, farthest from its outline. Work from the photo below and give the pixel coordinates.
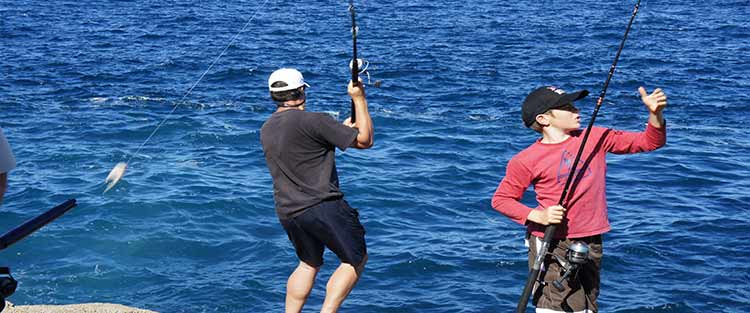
(8, 285)
(558, 285)
(558, 282)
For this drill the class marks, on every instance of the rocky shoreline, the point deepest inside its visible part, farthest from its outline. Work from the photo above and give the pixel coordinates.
(73, 308)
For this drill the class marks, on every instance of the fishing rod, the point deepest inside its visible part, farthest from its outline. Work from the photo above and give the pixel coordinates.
(32, 225)
(355, 61)
(8, 284)
(358, 65)
(550, 230)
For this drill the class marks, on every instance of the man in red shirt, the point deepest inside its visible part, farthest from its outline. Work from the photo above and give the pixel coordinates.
(546, 165)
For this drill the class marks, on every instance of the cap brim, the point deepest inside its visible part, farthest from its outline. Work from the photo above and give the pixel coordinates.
(286, 88)
(571, 97)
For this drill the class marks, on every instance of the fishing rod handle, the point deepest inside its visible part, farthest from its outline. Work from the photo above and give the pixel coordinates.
(354, 113)
(521, 307)
(536, 267)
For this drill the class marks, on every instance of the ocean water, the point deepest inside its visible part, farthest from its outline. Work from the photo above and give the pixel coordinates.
(191, 227)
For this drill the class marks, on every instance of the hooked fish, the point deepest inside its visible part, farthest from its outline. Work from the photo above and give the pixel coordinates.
(115, 175)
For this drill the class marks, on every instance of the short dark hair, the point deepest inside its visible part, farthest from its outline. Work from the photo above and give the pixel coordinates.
(286, 95)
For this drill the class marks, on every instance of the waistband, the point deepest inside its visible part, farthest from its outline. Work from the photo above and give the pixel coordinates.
(587, 239)
(303, 210)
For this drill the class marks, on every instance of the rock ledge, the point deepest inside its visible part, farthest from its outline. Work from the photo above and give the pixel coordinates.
(73, 308)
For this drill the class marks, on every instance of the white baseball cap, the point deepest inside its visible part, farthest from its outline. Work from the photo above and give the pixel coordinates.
(291, 77)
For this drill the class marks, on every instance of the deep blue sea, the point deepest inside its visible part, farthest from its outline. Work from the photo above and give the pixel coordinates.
(191, 227)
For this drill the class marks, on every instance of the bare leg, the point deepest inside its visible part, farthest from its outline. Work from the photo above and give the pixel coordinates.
(298, 286)
(340, 284)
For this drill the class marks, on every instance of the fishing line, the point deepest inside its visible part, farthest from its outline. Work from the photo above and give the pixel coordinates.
(119, 170)
(190, 90)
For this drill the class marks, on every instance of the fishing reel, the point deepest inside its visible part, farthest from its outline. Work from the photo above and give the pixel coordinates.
(8, 286)
(362, 66)
(576, 256)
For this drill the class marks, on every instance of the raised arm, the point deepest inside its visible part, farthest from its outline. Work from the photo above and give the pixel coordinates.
(364, 138)
(652, 138)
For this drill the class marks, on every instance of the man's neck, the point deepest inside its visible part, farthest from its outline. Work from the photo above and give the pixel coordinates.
(298, 104)
(282, 109)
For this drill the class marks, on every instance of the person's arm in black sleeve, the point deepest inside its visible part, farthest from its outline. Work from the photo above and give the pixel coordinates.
(329, 131)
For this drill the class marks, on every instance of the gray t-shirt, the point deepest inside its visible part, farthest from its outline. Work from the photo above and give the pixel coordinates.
(300, 153)
(7, 161)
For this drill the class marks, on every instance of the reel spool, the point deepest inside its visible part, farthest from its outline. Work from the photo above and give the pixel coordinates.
(363, 65)
(577, 255)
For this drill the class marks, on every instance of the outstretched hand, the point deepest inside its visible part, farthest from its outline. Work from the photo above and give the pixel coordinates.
(656, 101)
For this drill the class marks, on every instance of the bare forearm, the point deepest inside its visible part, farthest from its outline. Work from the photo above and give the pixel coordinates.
(364, 124)
(656, 119)
(536, 216)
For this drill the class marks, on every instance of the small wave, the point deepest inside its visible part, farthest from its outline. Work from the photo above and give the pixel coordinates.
(667, 307)
(142, 98)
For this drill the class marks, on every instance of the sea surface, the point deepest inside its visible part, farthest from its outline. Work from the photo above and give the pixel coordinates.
(191, 227)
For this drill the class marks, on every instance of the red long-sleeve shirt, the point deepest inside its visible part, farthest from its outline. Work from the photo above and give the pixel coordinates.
(547, 166)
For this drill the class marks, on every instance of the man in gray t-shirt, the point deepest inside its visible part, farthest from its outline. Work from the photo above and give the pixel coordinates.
(7, 163)
(300, 150)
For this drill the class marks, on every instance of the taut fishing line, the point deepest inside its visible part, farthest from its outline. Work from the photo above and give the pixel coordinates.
(119, 170)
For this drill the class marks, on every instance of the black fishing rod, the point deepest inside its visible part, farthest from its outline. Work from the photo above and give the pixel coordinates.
(7, 283)
(32, 225)
(354, 64)
(550, 230)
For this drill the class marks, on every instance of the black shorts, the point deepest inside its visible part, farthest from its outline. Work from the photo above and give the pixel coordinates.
(333, 224)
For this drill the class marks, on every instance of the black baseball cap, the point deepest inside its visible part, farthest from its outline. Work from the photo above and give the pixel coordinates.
(545, 98)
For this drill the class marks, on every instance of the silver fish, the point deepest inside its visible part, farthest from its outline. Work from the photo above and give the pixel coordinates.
(115, 175)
